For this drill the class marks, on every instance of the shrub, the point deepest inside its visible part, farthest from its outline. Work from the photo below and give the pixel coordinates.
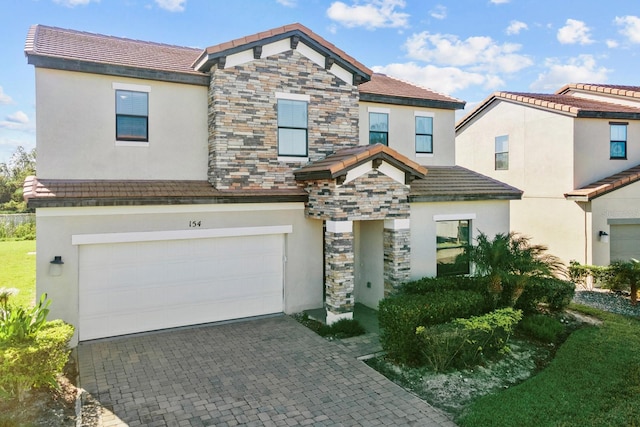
(437, 284)
(25, 231)
(541, 327)
(400, 315)
(18, 323)
(465, 342)
(556, 293)
(34, 362)
(343, 328)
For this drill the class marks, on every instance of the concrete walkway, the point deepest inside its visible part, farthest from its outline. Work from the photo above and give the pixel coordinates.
(264, 372)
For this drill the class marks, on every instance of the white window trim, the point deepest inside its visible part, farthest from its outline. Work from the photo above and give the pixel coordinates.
(293, 96)
(454, 217)
(291, 159)
(133, 88)
(378, 110)
(423, 114)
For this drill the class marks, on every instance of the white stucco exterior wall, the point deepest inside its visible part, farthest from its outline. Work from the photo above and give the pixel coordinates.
(489, 217)
(402, 132)
(303, 288)
(76, 139)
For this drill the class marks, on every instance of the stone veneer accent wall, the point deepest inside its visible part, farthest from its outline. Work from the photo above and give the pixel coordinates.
(397, 258)
(243, 146)
(373, 196)
(339, 267)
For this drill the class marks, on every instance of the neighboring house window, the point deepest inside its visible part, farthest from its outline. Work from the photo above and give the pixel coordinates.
(424, 134)
(452, 240)
(502, 152)
(618, 144)
(132, 115)
(292, 128)
(379, 128)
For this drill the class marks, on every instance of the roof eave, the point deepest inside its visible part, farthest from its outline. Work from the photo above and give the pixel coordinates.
(608, 115)
(412, 102)
(417, 198)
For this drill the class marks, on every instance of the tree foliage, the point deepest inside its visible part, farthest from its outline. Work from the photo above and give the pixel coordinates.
(12, 176)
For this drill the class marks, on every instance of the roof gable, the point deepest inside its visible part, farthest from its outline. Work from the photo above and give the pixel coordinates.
(296, 33)
(619, 90)
(605, 185)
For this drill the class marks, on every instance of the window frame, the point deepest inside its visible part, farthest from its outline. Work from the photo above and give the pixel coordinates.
(379, 132)
(423, 116)
(294, 98)
(133, 141)
(467, 268)
(618, 141)
(505, 153)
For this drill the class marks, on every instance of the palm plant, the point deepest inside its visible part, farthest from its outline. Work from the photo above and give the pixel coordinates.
(509, 261)
(627, 274)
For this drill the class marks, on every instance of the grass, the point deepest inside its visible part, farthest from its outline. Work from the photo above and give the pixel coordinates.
(594, 380)
(18, 270)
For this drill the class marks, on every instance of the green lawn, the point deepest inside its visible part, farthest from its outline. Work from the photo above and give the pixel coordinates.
(594, 380)
(18, 269)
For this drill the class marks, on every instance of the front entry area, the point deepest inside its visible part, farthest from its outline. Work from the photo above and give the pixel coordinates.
(368, 262)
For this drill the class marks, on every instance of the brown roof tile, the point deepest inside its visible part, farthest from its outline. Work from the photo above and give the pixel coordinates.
(453, 183)
(619, 90)
(340, 162)
(49, 192)
(606, 185)
(96, 48)
(381, 84)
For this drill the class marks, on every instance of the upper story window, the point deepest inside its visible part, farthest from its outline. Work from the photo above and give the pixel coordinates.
(424, 134)
(132, 115)
(618, 141)
(378, 128)
(292, 128)
(502, 152)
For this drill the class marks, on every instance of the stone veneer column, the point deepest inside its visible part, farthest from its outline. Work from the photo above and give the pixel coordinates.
(339, 267)
(397, 253)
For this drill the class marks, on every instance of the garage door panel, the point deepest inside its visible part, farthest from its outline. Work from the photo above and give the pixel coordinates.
(625, 242)
(134, 287)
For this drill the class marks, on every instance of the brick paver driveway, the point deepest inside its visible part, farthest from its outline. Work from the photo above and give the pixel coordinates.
(270, 371)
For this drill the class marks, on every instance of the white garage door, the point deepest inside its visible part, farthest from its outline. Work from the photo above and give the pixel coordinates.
(625, 242)
(135, 287)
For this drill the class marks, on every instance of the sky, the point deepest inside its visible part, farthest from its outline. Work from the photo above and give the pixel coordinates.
(467, 49)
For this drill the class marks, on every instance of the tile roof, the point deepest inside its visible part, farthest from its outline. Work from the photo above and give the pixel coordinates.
(51, 192)
(561, 103)
(342, 161)
(455, 183)
(620, 90)
(381, 84)
(61, 43)
(277, 33)
(606, 185)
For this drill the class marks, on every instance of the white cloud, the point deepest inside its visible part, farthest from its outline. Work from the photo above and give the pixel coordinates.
(288, 3)
(18, 117)
(371, 14)
(480, 53)
(631, 27)
(580, 69)
(612, 44)
(4, 98)
(74, 3)
(16, 121)
(442, 79)
(515, 27)
(172, 5)
(438, 12)
(499, 1)
(574, 32)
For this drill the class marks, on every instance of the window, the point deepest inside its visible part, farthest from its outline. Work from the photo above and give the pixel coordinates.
(132, 115)
(379, 128)
(424, 134)
(292, 128)
(452, 240)
(618, 144)
(502, 152)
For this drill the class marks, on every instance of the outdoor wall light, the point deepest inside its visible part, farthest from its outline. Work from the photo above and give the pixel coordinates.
(604, 236)
(55, 266)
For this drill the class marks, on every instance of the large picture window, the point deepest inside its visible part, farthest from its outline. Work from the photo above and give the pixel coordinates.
(379, 128)
(502, 152)
(424, 134)
(618, 142)
(292, 128)
(452, 240)
(132, 115)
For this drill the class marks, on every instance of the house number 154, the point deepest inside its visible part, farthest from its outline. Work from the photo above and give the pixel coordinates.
(193, 224)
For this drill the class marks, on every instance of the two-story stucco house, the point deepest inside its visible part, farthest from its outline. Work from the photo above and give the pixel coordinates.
(576, 156)
(273, 173)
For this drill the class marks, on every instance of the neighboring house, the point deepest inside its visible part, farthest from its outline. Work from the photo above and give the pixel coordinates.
(182, 186)
(576, 156)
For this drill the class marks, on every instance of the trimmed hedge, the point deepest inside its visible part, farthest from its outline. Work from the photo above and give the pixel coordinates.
(36, 361)
(555, 292)
(401, 314)
(437, 284)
